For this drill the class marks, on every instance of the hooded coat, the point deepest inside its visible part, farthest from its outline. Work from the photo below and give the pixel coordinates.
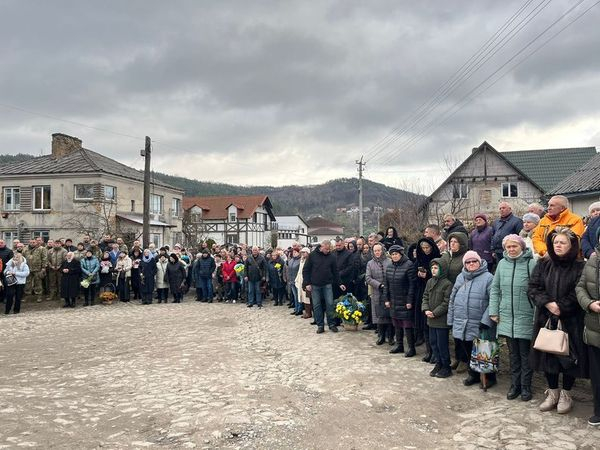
(175, 275)
(375, 277)
(509, 300)
(400, 280)
(554, 279)
(469, 302)
(437, 296)
(588, 291)
(454, 260)
(394, 240)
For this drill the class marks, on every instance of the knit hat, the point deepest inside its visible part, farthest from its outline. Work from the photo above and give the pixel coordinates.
(471, 255)
(514, 238)
(305, 250)
(593, 206)
(531, 217)
(480, 215)
(396, 249)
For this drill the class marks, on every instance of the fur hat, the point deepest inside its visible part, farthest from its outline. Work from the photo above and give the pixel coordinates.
(471, 255)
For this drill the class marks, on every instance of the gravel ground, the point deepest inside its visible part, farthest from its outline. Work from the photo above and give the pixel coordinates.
(217, 375)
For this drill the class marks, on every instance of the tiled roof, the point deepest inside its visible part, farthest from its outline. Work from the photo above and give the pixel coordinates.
(324, 232)
(215, 207)
(80, 161)
(139, 219)
(320, 222)
(548, 167)
(584, 179)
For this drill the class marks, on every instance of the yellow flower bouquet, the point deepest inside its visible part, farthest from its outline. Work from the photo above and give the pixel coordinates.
(350, 310)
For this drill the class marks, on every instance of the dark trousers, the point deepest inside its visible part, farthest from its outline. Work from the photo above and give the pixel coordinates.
(440, 345)
(278, 293)
(162, 294)
(552, 379)
(14, 294)
(462, 350)
(89, 294)
(520, 371)
(594, 355)
(231, 290)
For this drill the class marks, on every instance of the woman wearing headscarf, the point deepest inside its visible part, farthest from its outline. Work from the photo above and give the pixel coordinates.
(427, 251)
(391, 238)
(552, 289)
(468, 310)
(400, 299)
(375, 276)
(162, 287)
(175, 277)
(512, 310)
(15, 267)
(147, 276)
(70, 279)
(136, 278)
(480, 238)
(123, 271)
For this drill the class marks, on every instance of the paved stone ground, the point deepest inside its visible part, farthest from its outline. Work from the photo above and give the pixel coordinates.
(221, 376)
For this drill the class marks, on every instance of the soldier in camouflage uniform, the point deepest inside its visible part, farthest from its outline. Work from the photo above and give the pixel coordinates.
(37, 261)
(56, 255)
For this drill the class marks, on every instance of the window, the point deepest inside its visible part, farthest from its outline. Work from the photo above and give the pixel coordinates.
(12, 198)
(315, 238)
(196, 217)
(231, 238)
(156, 239)
(156, 204)
(510, 190)
(176, 207)
(41, 197)
(132, 205)
(110, 193)
(9, 237)
(460, 191)
(83, 192)
(232, 217)
(44, 234)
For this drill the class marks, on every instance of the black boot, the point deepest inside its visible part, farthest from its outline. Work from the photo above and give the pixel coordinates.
(391, 333)
(410, 339)
(381, 329)
(399, 348)
(428, 355)
(419, 339)
(472, 378)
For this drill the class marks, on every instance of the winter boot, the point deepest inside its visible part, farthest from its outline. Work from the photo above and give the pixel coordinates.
(419, 338)
(391, 332)
(565, 402)
(410, 340)
(552, 397)
(526, 394)
(472, 378)
(428, 355)
(399, 348)
(307, 311)
(381, 329)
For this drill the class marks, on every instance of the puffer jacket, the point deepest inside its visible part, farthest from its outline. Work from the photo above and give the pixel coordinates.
(509, 299)
(469, 302)
(400, 280)
(588, 291)
(589, 240)
(454, 260)
(91, 267)
(437, 296)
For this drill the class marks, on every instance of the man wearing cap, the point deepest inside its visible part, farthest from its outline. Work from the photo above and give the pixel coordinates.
(506, 224)
(319, 274)
(558, 214)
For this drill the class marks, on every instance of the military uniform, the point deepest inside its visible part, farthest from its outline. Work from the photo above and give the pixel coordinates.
(56, 256)
(37, 260)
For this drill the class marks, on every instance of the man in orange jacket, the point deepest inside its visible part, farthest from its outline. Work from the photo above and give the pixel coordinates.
(558, 215)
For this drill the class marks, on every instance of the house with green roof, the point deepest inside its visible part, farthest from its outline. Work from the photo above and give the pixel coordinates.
(488, 177)
(582, 186)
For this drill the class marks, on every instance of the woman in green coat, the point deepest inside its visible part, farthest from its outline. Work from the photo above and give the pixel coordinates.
(511, 308)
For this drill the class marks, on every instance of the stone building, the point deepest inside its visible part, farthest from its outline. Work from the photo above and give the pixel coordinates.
(75, 191)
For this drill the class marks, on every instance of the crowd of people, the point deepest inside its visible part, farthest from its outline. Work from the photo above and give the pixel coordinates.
(506, 279)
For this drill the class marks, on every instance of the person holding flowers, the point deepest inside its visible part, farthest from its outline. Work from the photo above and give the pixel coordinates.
(400, 279)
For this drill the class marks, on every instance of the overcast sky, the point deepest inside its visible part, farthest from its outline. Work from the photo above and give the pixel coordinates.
(293, 92)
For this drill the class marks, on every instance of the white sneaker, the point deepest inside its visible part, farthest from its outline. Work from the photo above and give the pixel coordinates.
(234, 301)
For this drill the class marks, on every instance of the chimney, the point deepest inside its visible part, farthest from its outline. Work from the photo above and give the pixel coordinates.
(63, 145)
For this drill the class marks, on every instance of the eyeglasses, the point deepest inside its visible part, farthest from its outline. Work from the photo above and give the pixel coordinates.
(471, 261)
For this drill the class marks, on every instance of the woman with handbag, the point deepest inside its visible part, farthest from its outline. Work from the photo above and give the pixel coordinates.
(588, 295)
(512, 310)
(552, 289)
(15, 273)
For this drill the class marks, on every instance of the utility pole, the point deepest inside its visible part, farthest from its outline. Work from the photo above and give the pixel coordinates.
(361, 164)
(146, 218)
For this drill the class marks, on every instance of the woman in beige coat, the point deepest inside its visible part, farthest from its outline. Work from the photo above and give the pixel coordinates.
(302, 295)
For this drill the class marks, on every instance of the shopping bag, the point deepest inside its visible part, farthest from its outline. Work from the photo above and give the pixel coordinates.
(485, 356)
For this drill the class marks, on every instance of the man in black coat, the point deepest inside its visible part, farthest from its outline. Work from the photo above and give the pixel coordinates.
(347, 268)
(256, 271)
(453, 225)
(319, 274)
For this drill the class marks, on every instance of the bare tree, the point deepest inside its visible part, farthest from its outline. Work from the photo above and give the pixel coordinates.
(95, 219)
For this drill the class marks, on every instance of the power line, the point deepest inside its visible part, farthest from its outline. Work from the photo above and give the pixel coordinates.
(466, 98)
(457, 78)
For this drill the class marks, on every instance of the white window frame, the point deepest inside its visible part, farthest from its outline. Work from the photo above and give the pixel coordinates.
(107, 189)
(508, 185)
(76, 194)
(154, 198)
(15, 191)
(43, 206)
(9, 237)
(175, 207)
(460, 191)
(232, 217)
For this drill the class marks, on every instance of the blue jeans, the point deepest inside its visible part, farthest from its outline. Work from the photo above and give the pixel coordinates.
(254, 295)
(320, 294)
(298, 306)
(440, 347)
(206, 286)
